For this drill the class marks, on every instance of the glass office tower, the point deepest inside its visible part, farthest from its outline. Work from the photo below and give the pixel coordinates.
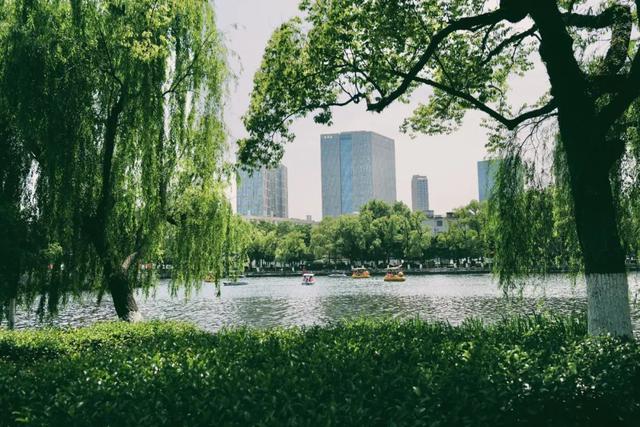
(264, 193)
(420, 193)
(487, 173)
(356, 167)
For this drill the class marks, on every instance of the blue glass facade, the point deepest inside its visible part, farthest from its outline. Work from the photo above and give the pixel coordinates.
(346, 172)
(331, 175)
(420, 193)
(487, 172)
(356, 167)
(263, 193)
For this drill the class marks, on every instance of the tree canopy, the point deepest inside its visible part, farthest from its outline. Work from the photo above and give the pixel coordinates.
(112, 145)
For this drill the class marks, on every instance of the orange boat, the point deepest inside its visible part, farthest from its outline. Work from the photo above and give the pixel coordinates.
(360, 273)
(394, 274)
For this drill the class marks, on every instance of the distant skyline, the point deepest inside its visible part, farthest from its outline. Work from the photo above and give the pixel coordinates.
(450, 161)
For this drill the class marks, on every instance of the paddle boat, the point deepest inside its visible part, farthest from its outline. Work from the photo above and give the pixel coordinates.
(308, 279)
(394, 274)
(360, 273)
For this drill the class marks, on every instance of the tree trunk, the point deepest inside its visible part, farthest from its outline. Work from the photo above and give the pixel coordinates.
(608, 304)
(115, 277)
(589, 161)
(605, 272)
(123, 298)
(10, 311)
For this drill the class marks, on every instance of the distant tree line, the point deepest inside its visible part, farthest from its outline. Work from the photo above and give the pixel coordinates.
(383, 233)
(379, 234)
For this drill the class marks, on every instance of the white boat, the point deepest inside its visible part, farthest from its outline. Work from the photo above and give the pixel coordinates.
(236, 283)
(308, 279)
(337, 275)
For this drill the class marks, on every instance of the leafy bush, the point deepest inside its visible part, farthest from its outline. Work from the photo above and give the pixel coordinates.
(525, 371)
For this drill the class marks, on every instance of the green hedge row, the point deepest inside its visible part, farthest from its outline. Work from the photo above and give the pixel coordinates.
(524, 371)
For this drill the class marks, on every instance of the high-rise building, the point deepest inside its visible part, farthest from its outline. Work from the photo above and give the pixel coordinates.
(263, 193)
(487, 174)
(420, 193)
(356, 167)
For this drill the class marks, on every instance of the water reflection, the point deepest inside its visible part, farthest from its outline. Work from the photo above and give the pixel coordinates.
(268, 302)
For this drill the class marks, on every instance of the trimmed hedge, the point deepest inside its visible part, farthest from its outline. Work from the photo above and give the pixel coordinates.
(525, 371)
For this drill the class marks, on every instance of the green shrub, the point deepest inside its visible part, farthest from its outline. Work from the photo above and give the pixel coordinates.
(526, 371)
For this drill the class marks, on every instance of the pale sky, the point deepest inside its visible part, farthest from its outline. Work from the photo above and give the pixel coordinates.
(449, 161)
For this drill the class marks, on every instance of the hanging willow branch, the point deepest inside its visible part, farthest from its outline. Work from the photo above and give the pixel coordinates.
(116, 119)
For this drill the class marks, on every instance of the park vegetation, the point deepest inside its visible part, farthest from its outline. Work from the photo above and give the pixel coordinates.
(529, 371)
(381, 234)
(378, 235)
(111, 148)
(112, 156)
(453, 56)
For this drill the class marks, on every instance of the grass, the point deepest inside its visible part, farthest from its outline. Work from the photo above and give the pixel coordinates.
(526, 371)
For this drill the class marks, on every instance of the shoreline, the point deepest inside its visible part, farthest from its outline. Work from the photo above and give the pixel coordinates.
(407, 272)
(373, 273)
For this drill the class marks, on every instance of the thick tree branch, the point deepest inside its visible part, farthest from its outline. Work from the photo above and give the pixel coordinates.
(509, 123)
(619, 104)
(128, 261)
(568, 82)
(607, 83)
(620, 39)
(629, 87)
(106, 193)
(463, 24)
(594, 22)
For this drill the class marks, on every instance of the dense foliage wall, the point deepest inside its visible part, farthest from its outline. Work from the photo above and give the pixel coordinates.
(112, 146)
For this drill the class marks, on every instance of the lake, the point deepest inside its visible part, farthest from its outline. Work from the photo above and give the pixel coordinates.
(274, 301)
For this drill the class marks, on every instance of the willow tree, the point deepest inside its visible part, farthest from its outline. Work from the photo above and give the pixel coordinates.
(114, 124)
(379, 52)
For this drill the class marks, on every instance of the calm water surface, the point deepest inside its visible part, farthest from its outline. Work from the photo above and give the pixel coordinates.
(267, 302)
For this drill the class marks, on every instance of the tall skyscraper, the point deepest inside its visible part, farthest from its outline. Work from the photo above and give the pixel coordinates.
(487, 173)
(356, 167)
(420, 193)
(264, 193)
